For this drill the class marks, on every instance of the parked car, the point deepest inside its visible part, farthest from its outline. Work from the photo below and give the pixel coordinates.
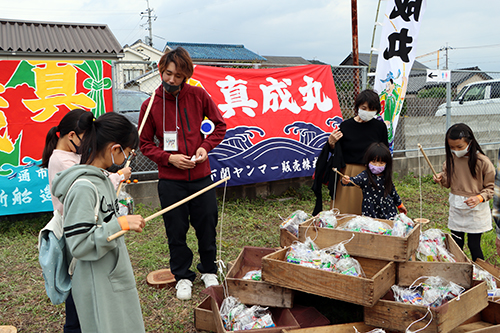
(128, 103)
(478, 98)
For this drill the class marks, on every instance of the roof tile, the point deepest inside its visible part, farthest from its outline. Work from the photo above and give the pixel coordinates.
(54, 37)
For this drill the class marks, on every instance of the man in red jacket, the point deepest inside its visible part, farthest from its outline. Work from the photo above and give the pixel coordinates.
(183, 166)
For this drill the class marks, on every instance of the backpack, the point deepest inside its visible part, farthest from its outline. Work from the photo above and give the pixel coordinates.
(52, 255)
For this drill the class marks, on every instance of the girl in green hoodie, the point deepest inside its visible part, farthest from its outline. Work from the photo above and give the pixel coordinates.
(103, 283)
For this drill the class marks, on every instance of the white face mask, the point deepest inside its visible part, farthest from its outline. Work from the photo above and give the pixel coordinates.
(366, 115)
(461, 153)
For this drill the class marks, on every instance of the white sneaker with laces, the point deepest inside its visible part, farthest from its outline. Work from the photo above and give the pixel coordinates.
(184, 289)
(209, 280)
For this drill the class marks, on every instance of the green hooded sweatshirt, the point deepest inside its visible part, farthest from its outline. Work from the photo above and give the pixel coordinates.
(103, 284)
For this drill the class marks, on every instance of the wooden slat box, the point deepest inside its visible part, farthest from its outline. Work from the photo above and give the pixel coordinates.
(256, 292)
(364, 245)
(283, 318)
(203, 316)
(459, 272)
(393, 315)
(381, 275)
(495, 271)
(341, 328)
(487, 321)
(287, 238)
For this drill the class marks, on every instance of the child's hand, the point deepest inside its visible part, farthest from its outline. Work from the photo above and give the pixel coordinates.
(472, 201)
(437, 178)
(346, 180)
(402, 209)
(126, 172)
(135, 222)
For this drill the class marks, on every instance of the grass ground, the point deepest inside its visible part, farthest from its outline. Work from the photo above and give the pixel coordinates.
(23, 302)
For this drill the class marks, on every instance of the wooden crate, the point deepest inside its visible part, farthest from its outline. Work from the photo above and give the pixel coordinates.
(393, 315)
(255, 292)
(459, 272)
(495, 271)
(487, 321)
(341, 328)
(203, 316)
(363, 291)
(283, 318)
(364, 245)
(287, 238)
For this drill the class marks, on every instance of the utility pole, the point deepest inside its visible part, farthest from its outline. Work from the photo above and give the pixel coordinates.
(355, 54)
(448, 94)
(150, 16)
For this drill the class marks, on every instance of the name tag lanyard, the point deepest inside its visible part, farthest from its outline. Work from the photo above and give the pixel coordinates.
(170, 137)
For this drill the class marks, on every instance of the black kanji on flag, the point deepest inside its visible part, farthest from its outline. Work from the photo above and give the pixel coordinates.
(403, 51)
(405, 9)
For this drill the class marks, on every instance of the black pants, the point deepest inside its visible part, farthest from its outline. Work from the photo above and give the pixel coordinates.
(72, 324)
(201, 212)
(473, 242)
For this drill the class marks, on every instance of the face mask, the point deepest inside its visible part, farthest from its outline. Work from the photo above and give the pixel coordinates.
(366, 115)
(115, 167)
(461, 153)
(169, 88)
(376, 169)
(77, 148)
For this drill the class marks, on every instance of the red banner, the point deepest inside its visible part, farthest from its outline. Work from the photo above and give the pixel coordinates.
(277, 120)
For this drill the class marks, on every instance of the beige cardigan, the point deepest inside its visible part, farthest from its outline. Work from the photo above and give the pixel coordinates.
(462, 182)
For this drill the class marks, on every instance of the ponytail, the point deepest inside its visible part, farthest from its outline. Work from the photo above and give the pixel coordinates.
(67, 124)
(109, 127)
(50, 144)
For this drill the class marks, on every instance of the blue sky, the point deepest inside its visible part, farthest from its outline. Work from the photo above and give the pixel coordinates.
(311, 29)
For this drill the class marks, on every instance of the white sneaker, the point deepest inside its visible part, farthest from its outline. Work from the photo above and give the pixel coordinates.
(184, 289)
(209, 279)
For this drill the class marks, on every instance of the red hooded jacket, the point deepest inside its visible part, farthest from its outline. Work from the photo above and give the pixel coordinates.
(193, 105)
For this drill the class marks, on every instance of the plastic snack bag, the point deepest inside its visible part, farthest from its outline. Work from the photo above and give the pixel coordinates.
(368, 225)
(326, 219)
(291, 223)
(253, 275)
(125, 203)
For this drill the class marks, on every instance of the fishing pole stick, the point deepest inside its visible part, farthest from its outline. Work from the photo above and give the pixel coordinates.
(169, 208)
(427, 159)
(341, 175)
(140, 131)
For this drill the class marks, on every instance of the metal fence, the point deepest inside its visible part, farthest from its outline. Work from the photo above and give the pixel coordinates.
(475, 103)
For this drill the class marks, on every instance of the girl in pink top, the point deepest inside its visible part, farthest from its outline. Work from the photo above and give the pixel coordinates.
(62, 151)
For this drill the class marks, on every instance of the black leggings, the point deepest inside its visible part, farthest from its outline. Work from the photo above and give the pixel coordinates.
(473, 242)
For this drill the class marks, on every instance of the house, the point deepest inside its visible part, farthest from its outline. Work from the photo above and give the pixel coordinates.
(284, 61)
(201, 54)
(139, 59)
(459, 78)
(364, 60)
(217, 54)
(55, 40)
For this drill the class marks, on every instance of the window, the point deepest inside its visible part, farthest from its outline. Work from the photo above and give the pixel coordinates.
(495, 90)
(131, 74)
(474, 93)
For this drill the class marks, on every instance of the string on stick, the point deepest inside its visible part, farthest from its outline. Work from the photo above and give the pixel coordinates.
(350, 181)
(175, 205)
